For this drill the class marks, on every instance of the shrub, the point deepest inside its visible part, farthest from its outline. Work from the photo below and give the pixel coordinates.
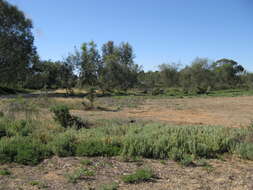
(4, 172)
(245, 150)
(62, 115)
(113, 186)
(23, 150)
(1, 114)
(79, 174)
(140, 175)
(96, 147)
(64, 144)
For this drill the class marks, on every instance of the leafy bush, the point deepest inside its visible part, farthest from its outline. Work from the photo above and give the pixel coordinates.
(23, 150)
(4, 172)
(64, 144)
(140, 175)
(245, 150)
(62, 116)
(96, 147)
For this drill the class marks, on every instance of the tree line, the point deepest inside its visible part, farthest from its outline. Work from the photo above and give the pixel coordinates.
(110, 67)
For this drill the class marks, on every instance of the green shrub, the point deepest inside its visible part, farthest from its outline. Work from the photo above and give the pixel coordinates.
(64, 144)
(4, 172)
(65, 119)
(23, 150)
(140, 175)
(79, 174)
(1, 114)
(245, 150)
(62, 115)
(186, 160)
(113, 186)
(95, 147)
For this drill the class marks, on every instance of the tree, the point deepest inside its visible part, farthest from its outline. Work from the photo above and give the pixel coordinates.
(90, 64)
(227, 72)
(17, 52)
(170, 74)
(197, 77)
(119, 70)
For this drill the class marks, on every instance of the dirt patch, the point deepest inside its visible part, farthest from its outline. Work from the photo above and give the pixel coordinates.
(225, 111)
(51, 174)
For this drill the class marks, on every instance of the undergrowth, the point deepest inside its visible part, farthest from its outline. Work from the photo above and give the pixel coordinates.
(29, 142)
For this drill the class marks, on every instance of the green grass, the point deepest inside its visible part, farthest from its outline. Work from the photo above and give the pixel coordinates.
(140, 175)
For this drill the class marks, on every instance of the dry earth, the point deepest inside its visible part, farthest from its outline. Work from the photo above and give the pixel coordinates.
(229, 174)
(225, 111)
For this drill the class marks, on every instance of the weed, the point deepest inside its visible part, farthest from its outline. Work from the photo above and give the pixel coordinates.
(86, 162)
(113, 186)
(140, 175)
(5, 172)
(79, 174)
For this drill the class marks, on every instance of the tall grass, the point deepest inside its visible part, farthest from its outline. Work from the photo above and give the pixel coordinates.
(29, 142)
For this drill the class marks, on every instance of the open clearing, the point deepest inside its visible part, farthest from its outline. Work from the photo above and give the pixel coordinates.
(229, 172)
(224, 111)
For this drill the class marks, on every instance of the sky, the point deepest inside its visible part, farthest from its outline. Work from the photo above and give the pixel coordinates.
(160, 31)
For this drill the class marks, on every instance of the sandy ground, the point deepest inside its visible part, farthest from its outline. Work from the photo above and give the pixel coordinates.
(225, 111)
(230, 174)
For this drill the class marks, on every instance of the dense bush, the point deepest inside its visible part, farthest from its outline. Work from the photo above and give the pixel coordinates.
(65, 119)
(139, 176)
(23, 150)
(61, 115)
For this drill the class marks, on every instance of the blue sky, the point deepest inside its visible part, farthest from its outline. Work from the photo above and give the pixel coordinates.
(159, 30)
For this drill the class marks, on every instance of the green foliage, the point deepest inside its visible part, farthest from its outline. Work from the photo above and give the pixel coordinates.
(86, 162)
(245, 150)
(16, 45)
(141, 175)
(22, 142)
(113, 186)
(65, 119)
(64, 144)
(22, 150)
(78, 174)
(5, 172)
(61, 115)
(96, 147)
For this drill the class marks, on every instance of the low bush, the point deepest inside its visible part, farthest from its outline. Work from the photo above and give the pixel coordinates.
(22, 150)
(140, 175)
(96, 147)
(79, 174)
(245, 150)
(113, 186)
(65, 119)
(5, 172)
(64, 144)
(62, 115)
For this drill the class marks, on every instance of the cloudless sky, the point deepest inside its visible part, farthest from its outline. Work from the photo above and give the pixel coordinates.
(159, 30)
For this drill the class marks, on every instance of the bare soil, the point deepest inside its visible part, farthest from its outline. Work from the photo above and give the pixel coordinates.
(225, 111)
(230, 174)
